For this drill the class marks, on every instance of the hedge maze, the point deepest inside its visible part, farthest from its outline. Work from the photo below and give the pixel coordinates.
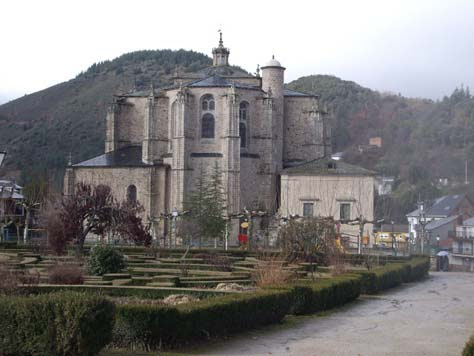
(139, 324)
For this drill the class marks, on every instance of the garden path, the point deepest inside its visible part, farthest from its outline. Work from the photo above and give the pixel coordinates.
(433, 317)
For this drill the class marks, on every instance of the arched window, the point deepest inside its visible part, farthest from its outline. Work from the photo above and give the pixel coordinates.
(243, 123)
(132, 194)
(207, 117)
(243, 135)
(208, 103)
(207, 126)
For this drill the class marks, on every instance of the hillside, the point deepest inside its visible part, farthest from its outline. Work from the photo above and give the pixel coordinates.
(422, 139)
(39, 130)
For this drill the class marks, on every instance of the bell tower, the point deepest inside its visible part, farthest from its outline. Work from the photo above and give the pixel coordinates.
(220, 54)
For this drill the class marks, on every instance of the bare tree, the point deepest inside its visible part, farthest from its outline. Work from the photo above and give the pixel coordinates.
(35, 195)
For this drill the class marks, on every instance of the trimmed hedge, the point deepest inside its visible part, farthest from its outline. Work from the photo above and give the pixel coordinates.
(142, 292)
(469, 347)
(55, 325)
(149, 327)
(393, 275)
(311, 297)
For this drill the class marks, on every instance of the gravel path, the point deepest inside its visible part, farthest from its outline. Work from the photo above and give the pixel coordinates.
(433, 317)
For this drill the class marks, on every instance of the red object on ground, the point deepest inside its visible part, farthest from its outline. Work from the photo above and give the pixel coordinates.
(243, 238)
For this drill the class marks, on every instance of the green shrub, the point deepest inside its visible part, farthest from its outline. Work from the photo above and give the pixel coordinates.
(311, 297)
(104, 259)
(469, 347)
(57, 324)
(394, 274)
(148, 327)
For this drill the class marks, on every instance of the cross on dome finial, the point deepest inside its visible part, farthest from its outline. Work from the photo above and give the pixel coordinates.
(221, 43)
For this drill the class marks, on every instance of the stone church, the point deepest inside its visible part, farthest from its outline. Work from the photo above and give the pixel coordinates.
(157, 141)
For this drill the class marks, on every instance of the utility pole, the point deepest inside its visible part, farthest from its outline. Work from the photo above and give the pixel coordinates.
(465, 173)
(422, 222)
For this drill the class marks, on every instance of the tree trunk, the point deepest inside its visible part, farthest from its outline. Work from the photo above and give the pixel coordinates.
(27, 225)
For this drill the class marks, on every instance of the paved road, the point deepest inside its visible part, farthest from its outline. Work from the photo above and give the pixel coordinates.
(434, 317)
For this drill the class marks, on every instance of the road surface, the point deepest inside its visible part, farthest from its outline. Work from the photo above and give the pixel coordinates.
(432, 317)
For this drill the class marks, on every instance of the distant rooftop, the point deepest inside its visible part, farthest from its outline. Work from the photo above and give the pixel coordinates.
(443, 206)
(438, 223)
(328, 166)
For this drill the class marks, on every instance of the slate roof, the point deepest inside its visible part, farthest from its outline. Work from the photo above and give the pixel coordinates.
(328, 166)
(468, 222)
(437, 223)
(396, 228)
(10, 190)
(443, 206)
(289, 92)
(217, 81)
(227, 71)
(130, 156)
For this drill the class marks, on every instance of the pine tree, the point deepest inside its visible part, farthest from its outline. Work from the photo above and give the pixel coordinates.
(206, 206)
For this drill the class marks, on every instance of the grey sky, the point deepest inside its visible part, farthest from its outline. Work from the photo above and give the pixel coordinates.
(418, 48)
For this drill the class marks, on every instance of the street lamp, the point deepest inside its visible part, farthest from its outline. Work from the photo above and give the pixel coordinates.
(393, 239)
(437, 243)
(174, 216)
(421, 217)
(2, 157)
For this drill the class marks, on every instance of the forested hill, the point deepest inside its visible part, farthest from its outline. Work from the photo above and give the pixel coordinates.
(422, 140)
(39, 130)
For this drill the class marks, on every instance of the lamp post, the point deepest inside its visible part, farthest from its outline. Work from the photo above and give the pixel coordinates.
(174, 216)
(421, 218)
(437, 243)
(393, 238)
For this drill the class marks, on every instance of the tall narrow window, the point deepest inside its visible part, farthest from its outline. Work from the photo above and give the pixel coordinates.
(207, 128)
(243, 135)
(243, 123)
(345, 211)
(132, 194)
(308, 209)
(243, 110)
(207, 116)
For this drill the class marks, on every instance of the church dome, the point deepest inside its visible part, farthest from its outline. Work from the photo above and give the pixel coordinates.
(273, 63)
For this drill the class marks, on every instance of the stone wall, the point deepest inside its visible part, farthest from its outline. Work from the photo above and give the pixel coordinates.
(303, 130)
(327, 193)
(149, 181)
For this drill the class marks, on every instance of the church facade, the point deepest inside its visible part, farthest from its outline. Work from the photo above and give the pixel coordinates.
(251, 126)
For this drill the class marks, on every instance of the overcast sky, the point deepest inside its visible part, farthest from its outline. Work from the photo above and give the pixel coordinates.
(417, 48)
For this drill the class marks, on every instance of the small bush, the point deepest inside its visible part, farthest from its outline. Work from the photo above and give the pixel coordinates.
(271, 273)
(469, 347)
(66, 274)
(105, 259)
(11, 280)
(55, 325)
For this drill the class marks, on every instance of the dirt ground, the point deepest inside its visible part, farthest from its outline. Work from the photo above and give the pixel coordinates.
(433, 317)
